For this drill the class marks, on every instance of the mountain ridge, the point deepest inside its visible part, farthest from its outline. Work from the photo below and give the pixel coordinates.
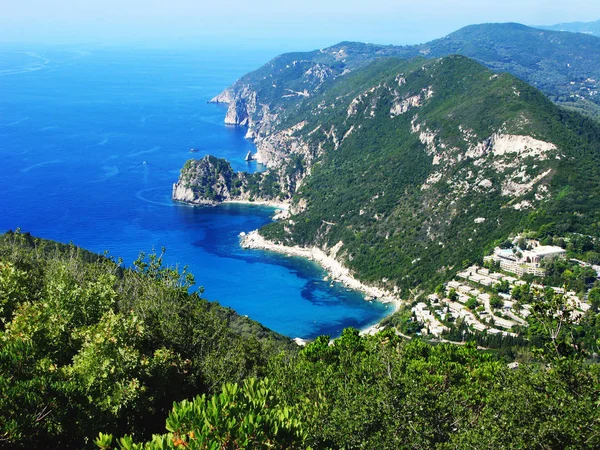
(563, 65)
(592, 28)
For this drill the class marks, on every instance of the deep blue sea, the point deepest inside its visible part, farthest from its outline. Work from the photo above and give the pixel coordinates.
(91, 141)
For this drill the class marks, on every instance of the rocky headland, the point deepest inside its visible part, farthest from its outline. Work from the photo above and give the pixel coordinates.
(210, 181)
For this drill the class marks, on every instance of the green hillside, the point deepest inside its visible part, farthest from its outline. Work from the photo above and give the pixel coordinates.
(565, 66)
(93, 355)
(88, 346)
(381, 392)
(416, 194)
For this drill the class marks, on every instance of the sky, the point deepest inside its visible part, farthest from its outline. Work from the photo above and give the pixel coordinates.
(289, 24)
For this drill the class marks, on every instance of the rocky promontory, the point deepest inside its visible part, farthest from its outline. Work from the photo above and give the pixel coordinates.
(207, 181)
(242, 105)
(211, 180)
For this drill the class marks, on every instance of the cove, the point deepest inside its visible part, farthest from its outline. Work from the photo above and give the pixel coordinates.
(91, 140)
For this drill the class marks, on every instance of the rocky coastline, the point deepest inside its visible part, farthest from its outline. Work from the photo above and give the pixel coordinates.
(274, 147)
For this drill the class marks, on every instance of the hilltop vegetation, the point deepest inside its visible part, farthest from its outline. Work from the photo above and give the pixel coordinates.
(87, 345)
(94, 355)
(383, 392)
(564, 66)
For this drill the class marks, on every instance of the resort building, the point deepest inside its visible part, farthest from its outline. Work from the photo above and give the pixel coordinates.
(521, 262)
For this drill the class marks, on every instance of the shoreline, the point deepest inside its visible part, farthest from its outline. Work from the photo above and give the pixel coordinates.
(335, 270)
(284, 207)
(270, 203)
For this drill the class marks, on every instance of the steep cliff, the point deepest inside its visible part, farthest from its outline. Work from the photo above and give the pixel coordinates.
(565, 66)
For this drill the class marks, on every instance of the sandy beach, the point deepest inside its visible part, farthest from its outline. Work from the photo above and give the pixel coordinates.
(273, 204)
(334, 268)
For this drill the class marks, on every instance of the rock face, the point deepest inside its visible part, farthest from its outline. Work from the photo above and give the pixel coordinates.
(237, 114)
(182, 193)
(242, 105)
(208, 181)
(224, 97)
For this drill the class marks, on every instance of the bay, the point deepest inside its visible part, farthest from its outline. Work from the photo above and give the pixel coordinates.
(91, 141)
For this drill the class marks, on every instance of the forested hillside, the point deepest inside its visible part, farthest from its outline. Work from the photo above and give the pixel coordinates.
(417, 168)
(385, 393)
(87, 345)
(93, 355)
(564, 66)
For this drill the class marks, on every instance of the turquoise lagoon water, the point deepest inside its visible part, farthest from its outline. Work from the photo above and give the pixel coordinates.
(91, 141)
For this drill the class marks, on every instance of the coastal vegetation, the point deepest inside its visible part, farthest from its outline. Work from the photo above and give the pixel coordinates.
(382, 192)
(88, 345)
(405, 171)
(411, 171)
(96, 355)
(383, 392)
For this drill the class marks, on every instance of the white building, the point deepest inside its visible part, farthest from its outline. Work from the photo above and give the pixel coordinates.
(432, 324)
(523, 262)
(543, 252)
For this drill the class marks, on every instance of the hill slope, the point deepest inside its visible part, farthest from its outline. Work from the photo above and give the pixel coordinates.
(410, 169)
(86, 345)
(565, 66)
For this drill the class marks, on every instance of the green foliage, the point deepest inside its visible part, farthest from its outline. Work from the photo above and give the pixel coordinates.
(453, 295)
(594, 298)
(14, 285)
(472, 303)
(114, 368)
(87, 345)
(382, 392)
(250, 416)
(502, 286)
(213, 180)
(367, 193)
(496, 302)
(564, 273)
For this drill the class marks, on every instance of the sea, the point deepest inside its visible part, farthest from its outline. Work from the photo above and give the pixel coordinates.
(93, 138)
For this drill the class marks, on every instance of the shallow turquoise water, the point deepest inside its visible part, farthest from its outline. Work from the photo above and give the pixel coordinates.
(91, 141)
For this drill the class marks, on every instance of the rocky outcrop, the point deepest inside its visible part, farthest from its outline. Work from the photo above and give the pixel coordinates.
(211, 180)
(503, 144)
(182, 193)
(237, 113)
(242, 105)
(208, 181)
(226, 96)
(276, 149)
